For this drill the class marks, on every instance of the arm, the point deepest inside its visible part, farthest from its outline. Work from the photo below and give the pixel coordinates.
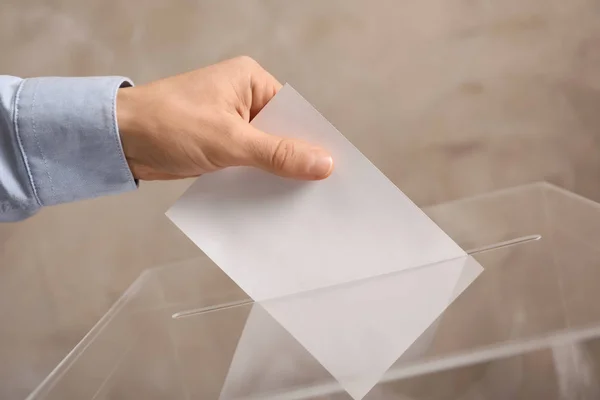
(59, 142)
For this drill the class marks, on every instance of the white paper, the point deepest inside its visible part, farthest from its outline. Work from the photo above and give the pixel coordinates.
(275, 237)
(355, 331)
(295, 246)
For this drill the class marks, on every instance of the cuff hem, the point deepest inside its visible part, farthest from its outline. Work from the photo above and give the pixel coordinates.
(68, 133)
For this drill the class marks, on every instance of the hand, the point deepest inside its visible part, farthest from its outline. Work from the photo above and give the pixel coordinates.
(198, 122)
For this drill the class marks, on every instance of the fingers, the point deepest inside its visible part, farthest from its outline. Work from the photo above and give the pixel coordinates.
(285, 157)
(263, 85)
(281, 156)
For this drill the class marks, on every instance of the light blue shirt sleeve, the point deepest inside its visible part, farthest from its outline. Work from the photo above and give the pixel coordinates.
(59, 142)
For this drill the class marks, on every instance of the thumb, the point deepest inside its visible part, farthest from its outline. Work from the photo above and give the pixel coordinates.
(285, 157)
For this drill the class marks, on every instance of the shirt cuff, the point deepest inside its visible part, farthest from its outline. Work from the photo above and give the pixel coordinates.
(68, 134)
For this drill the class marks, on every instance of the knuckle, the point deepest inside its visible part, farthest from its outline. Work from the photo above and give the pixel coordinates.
(283, 154)
(246, 61)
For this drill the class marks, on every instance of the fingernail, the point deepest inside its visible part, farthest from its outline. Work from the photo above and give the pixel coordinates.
(322, 165)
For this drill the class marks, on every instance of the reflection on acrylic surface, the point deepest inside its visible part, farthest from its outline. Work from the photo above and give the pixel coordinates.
(350, 334)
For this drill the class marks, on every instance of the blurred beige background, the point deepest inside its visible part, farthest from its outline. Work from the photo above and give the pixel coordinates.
(449, 98)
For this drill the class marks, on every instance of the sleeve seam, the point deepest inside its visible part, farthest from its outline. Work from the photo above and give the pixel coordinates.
(20, 143)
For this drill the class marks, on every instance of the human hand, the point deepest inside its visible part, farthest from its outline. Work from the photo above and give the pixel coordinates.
(198, 122)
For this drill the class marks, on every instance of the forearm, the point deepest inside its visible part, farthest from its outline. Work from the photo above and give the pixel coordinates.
(59, 142)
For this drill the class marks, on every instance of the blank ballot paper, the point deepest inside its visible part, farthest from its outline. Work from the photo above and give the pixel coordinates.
(349, 265)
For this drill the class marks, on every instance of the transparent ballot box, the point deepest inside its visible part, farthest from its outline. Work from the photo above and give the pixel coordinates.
(518, 318)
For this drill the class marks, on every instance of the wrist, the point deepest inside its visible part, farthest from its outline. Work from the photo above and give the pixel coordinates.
(127, 112)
